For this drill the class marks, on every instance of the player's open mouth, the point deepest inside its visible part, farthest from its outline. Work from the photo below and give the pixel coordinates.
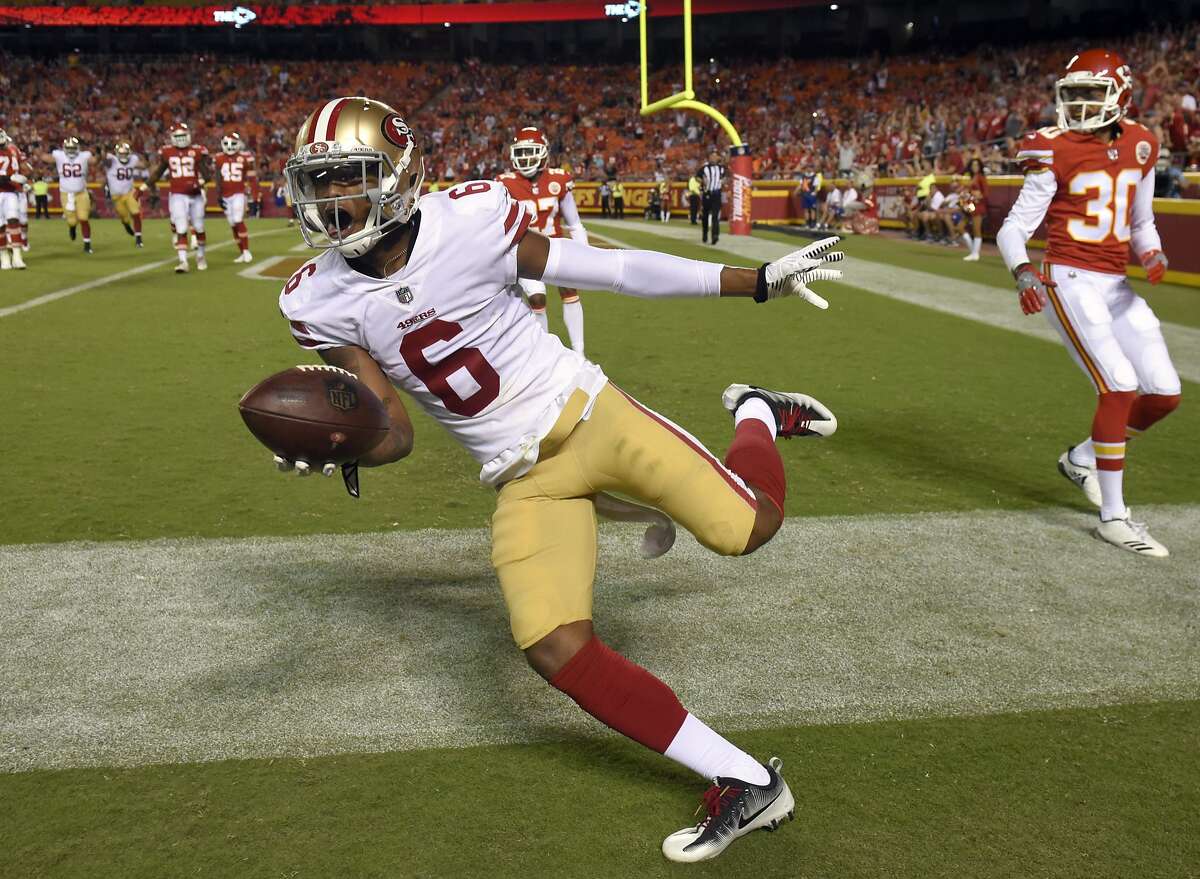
(338, 223)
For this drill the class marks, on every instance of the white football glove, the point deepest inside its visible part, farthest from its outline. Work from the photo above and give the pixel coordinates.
(791, 275)
(302, 467)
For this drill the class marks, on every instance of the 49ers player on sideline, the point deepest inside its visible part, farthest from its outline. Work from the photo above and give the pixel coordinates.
(12, 190)
(189, 165)
(1092, 179)
(419, 295)
(237, 174)
(546, 193)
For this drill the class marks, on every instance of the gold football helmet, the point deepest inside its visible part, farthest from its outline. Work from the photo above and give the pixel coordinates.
(360, 142)
(123, 152)
(70, 146)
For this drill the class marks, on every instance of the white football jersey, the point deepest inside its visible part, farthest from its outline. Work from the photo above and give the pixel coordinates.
(72, 172)
(451, 328)
(122, 176)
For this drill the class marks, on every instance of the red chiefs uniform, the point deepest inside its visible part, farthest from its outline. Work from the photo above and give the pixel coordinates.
(1088, 223)
(541, 196)
(183, 167)
(11, 162)
(233, 171)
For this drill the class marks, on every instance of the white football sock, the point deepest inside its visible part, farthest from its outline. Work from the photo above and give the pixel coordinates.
(756, 408)
(573, 318)
(182, 256)
(1083, 455)
(1112, 499)
(700, 749)
(199, 251)
(540, 314)
(969, 242)
(978, 244)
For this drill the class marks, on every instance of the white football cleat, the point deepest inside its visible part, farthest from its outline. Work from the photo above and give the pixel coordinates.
(795, 414)
(971, 257)
(247, 256)
(181, 268)
(18, 262)
(734, 808)
(1124, 533)
(1084, 477)
(201, 264)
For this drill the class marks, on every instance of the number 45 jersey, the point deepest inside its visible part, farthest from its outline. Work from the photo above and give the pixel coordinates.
(1100, 194)
(450, 329)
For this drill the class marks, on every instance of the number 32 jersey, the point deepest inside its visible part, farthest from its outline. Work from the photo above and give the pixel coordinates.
(1096, 197)
(451, 329)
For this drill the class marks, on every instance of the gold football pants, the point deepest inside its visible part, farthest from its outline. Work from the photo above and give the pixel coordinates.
(127, 206)
(77, 207)
(544, 527)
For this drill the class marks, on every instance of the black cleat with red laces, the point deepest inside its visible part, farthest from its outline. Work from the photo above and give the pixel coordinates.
(733, 808)
(795, 414)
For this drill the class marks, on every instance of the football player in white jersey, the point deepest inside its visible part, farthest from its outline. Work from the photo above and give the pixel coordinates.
(74, 165)
(421, 296)
(125, 175)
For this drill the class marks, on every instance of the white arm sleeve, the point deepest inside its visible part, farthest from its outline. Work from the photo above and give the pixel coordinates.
(571, 221)
(642, 273)
(1145, 233)
(1025, 216)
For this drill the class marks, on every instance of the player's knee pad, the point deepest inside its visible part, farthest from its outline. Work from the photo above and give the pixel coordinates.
(722, 537)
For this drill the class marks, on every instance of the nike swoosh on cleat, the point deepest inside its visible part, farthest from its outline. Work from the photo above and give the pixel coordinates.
(744, 820)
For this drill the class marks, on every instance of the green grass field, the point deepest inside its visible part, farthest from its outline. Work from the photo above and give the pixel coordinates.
(125, 447)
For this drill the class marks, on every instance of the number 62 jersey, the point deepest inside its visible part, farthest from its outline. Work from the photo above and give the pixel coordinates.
(1096, 197)
(450, 329)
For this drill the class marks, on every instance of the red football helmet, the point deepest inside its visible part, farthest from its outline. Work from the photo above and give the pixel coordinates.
(1080, 108)
(529, 151)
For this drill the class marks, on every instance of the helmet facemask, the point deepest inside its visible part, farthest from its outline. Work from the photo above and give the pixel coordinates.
(363, 178)
(1086, 102)
(123, 153)
(181, 137)
(71, 147)
(231, 144)
(528, 157)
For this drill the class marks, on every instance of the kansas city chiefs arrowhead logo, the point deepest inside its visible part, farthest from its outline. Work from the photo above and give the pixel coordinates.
(396, 131)
(1142, 150)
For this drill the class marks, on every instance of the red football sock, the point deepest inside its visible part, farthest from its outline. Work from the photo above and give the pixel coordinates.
(621, 695)
(137, 223)
(87, 229)
(201, 239)
(752, 455)
(243, 236)
(1149, 409)
(1108, 428)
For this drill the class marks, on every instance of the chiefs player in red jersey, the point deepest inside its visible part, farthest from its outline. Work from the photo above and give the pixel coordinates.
(237, 174)
(189, 165)
(545, 193)
(1092, 179)
(12, 190)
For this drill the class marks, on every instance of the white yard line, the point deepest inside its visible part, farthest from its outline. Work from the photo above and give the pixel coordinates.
(46, 298)
(127, 653)
(992, 305)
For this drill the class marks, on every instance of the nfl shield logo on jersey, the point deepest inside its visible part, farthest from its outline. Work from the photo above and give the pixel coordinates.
(1114, 154)
(1142, 151)
(405, 296)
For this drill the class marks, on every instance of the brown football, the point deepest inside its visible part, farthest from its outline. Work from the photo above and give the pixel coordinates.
(318, 413)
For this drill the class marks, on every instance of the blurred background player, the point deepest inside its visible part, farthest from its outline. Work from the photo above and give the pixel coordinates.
(1092, 179)
(975, 204)
(122, 170)
(236, 174)
(189, 164)
(73, 165)
(545, 193)
(12, 181)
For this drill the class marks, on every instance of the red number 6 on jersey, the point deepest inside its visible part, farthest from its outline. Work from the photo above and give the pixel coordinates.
(435, 375)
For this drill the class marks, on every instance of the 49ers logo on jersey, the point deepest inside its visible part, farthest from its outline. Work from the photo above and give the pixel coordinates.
(396, 131)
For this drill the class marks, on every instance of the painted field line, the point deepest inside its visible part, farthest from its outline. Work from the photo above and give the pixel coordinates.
(188, 650)
(995, 306)
(46, 298)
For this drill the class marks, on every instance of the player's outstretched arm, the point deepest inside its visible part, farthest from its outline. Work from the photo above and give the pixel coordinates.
(648, 274)
(399, 441)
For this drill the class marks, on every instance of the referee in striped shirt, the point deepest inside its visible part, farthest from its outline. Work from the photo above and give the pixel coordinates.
(712, 178)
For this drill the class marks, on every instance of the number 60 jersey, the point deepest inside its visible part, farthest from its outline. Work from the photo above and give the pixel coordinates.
(1096, 197)
(450, 328)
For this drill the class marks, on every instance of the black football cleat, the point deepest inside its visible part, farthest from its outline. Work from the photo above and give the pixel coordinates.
(734, 808)
(87, 247)
(795, 414)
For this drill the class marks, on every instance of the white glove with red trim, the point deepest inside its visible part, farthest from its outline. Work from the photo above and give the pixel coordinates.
(1032, 288)
(1155, 264)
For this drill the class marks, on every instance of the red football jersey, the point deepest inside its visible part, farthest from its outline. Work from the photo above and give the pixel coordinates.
(10, 163)
(233, 171)
(1088, 223)
(183, 167)
(541, 196)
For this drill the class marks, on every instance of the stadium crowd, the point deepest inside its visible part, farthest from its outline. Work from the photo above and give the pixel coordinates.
(902, 115)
